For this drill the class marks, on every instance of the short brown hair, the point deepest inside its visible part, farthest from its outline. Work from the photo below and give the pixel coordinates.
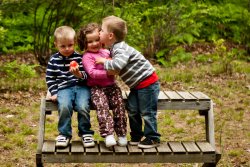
(64, 32)
(84, 30)
(117, 26)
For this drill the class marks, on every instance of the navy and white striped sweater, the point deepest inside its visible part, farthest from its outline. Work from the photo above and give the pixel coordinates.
(58, 75)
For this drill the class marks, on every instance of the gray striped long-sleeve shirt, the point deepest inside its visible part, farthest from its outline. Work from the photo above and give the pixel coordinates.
(58, 75)
(133, 66)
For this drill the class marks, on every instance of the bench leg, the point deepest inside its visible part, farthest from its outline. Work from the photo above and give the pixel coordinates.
(209, 121)
(217, 158)
(39, 160)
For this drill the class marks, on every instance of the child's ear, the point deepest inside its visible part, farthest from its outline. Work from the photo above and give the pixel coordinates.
(55, 44)
(111, 35)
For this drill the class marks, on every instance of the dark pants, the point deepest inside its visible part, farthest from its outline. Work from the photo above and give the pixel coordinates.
(142, 105)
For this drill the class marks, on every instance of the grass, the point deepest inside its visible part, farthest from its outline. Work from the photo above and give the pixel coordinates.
(19, 113)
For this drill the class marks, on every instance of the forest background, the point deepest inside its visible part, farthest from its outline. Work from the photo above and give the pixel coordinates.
(194, 45)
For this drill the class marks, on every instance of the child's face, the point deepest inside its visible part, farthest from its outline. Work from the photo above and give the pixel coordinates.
(65, 46)
(105, 36)
(93, 41)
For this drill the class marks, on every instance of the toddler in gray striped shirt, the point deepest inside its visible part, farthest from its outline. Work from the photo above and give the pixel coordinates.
(138, 73)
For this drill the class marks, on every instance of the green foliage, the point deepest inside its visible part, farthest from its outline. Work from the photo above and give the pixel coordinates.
(16, 76)
(161, 57)
(17, 34)
(180, 56)
(14, 70)
(203, 21)
(2, 30)
(155, 28)
(226, 57)
(241, 67)
(235, 152)
(202, 58)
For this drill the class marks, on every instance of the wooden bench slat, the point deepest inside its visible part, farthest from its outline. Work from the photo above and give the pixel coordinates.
(134, 149)
(104, 149)
(184, 105)
(176, 102)
(187, 96)
(165, 105)
(92, 150)
(63, 150)
(205, 147)
(173, 96)
(120, 150)
(150, 150)
(191, 147)
(49, 146)
(164, 148)
(200, 96)
(162, 96)
(77, 147)
(176, 147)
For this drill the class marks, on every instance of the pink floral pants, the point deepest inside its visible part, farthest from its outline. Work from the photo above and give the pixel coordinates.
(105, 99)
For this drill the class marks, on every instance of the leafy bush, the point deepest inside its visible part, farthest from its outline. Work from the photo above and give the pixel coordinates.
(154, 27)
(180, 55)
(18, 34)
(16, 76)
(14, 70)
(2, 30)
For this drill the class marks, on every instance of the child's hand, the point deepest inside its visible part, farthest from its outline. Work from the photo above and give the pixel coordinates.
(113, 72)
(53, 98)
(76, 72)
(100, 60)
(73, 65)
(74, 69)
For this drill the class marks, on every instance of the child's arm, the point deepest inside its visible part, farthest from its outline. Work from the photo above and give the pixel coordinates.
(51, 80)
(91, 69)
(100, 60)
(118, 62)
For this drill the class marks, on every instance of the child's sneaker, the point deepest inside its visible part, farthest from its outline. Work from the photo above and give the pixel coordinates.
(88, 140)
(148, 143)
(122, 141)
(134, 142)
(110, 140)
(62, 141)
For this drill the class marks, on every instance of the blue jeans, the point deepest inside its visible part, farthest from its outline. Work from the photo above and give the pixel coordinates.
(142, 104)
(74, 98)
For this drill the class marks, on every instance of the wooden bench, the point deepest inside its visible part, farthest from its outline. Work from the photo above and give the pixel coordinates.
(168, 152)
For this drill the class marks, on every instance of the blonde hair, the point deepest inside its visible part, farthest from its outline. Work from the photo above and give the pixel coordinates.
(88, 29)
(117, 26)
(64, 32)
